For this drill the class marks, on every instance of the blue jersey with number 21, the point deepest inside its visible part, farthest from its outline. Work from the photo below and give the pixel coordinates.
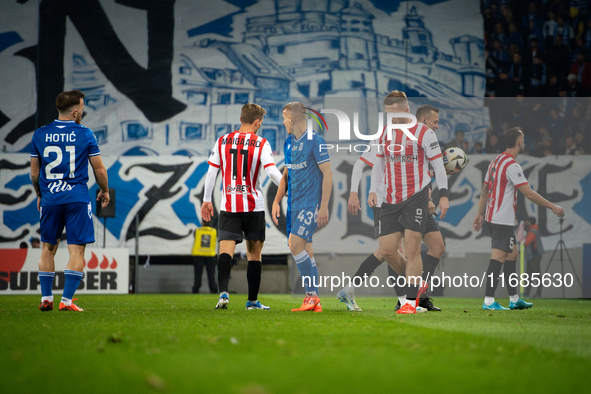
(63, 148)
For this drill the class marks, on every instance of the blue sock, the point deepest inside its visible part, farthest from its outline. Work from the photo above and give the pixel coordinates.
(46, 280)
(73, 279)
(315, 275)
(305, 267)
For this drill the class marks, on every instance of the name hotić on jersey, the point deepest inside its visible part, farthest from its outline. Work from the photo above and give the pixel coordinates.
(302, 157)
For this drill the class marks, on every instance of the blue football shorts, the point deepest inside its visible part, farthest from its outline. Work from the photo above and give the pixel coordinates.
(76, 217)
(302, 223)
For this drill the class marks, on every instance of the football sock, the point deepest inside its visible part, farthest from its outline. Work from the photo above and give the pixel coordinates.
(305, 267)
(400, 291)
(489, 300)
(253, 277)
(514, 298)
(368, 266)
(46, 281)
(429, 265)
(224, 268)
(411, 293)
(402, 299)
(71, 283)
(494, 268)
(508, 273)
(315, 276)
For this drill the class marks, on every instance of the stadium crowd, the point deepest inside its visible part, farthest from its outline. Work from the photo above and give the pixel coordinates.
(539, 50)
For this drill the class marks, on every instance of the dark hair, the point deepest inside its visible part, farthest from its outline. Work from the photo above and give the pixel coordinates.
(425, 110)
(251, 112)
(24, 245)
(532, 220)
(395, 97)
(511, 136)
(66, 100)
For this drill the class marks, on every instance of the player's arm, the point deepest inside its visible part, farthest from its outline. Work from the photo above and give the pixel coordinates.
(35, 168)
(353, 204)
(269, 164)
(534, 197)
(276, 210)
(478, 221)
(377, 175)
(326, 190)
(100, 174)
(212, 173)
(433, 153)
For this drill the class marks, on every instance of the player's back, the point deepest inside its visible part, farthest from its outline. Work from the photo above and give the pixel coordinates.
(302, 157)
(503, 177)
(63, 149)
(241, 157)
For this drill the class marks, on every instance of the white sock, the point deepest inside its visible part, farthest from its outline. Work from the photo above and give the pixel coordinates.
(312, 293)
(489, 300)
(514, 298)
(226, 293)
(349, 289)
(48, 298)
(412, 302)
(402, 299)
(66, 301)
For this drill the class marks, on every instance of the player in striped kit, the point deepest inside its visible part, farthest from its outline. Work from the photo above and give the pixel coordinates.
(241, 155)
(402, 166)
(499, 197)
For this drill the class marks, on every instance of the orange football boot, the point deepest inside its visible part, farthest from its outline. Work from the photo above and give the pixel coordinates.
(407, 309)
(71, 307)
(46, 306)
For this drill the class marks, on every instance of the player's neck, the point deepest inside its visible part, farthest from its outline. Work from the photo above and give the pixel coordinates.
(247, 129)
(299, 130)
(513, 152)
(66, 118)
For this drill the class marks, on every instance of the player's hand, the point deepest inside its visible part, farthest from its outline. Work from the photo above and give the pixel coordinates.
(558, 211)
(443, 206)
(372, 200)
(104, 198)
(275, 213)
(353, 206)
(207, 211)
(478, 222)
(322, 217)
(39, 203)
(432, 207)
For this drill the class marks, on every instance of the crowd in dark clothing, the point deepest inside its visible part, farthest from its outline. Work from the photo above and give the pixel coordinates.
(538, 49)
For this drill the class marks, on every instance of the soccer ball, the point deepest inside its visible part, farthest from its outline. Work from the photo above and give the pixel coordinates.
(454, 159)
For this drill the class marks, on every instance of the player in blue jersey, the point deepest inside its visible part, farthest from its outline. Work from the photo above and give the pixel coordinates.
(308, 177)
(60, 153)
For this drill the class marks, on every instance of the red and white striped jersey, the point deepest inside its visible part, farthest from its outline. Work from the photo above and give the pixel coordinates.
(504, 176)
(241, 157)
(407, 162)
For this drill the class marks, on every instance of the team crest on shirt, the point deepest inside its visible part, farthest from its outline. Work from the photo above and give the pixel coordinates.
(238, 189)
(301, 230)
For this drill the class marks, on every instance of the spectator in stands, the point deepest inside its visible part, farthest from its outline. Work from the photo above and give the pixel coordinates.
(573, 87)
(499, 34)
(533, 51)
(582, 143)
(564, 29)
(537, 80)
(552, 87)
(544, 144)
(532, 22)
(517, 71)
(588, 34)
(548, 29)
(505, 86)
(534, 250)
(581, 69)
(576, 122)
(570, 148)
(23, 245)
(458, 142)
(498, 55)
(555, 124)
(478, 149)
(515, 37)
(494, 145)
(558, 57)
(579, 47)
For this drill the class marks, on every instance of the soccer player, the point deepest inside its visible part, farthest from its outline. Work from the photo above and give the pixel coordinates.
(403, 168)
(241, 155)
(429, 116)
(309, 178)
(499, 196)
(60, 153)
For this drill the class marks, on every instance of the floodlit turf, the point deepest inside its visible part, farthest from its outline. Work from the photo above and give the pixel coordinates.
(181, 344)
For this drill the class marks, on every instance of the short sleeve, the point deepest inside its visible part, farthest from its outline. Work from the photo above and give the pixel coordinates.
(515, 175)
(214, 156)
(431, 145)
(267, 155)
(320, 154)
(93, 148)
(33, 150)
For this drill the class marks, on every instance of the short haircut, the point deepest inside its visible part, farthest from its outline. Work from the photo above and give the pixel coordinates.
(459, 131)
(396, 97)
(297, 110)
(511, 136)
(532, 220)
(425, 110)
(66, 100)
(251, 112)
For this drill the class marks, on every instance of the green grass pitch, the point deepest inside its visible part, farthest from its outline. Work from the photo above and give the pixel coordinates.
(181, 344)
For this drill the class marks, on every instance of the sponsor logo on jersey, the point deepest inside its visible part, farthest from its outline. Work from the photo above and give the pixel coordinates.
(59, 186)
(402, 159)
(297, 166)
(244, 189)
